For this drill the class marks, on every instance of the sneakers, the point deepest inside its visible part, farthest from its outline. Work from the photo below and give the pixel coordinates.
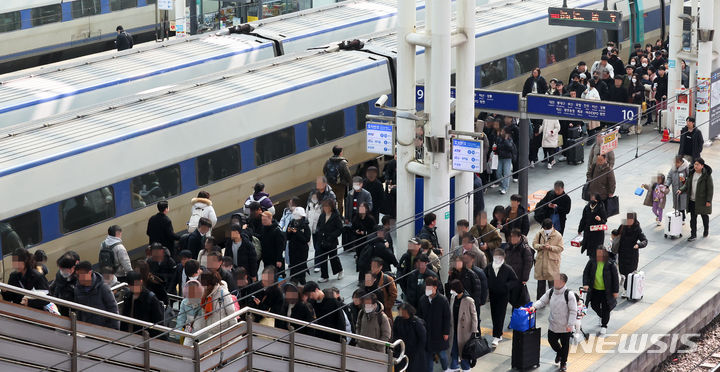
(550, 165)
(496, 341)
(603, 331)
(515, 180)
(692, 238)
(503, 191)
(494, 185)
(323, 280)
(316, 270)
(658, 222)
(340, 275)
(532, 164)
(563, 368)
(562, 158)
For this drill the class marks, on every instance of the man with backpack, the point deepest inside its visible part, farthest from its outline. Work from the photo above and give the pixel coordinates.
(563, 312)
(337, 173)
(123, 40)
(114, 255)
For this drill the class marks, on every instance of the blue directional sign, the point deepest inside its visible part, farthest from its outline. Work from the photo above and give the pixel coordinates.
(379, 139)
(467, 155)
(543, 106)
(486, 100)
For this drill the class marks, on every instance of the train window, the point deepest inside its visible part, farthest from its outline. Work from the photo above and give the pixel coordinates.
(20, 231)
(86, 209)
(122, 4)
(360, 111)
(218, 165)
(10, 21)
(625, 25)
(557, 51)
(154, 186)
(326, 128)
(526, 60)
(584, 42)
(493, 72)
(274, 146)
(84, 8)
(46, 14)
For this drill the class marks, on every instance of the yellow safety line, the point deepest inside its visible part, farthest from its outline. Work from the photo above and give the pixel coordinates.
(580, 361)
(508, 335)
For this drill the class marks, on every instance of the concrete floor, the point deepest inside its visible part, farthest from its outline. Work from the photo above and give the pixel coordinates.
(672, 291)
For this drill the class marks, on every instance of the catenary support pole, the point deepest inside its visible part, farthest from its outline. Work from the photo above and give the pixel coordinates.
(464, 99)
(675, 72)
(705, 60)
(405, 150)
(437, 187)
(523, 157)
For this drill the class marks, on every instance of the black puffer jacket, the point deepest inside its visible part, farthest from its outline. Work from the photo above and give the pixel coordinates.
(628, 256)
(98, 296)
(63, 289)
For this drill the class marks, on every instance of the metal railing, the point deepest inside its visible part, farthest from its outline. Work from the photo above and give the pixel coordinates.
(79, 345)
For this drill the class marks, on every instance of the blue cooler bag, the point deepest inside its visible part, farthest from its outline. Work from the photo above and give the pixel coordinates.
(522, 319)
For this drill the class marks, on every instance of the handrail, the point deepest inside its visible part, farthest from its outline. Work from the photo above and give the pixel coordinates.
(92, 310)
(196, 335)
(286, 319)
(117, 286)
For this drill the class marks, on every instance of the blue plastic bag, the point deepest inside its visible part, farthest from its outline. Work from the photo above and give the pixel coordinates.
(639, 191)
(521, 319)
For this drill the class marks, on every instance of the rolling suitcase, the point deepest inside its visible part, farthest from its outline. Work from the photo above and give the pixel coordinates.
(673, 227)
(636, 285)
(576, 154)
(526, 349)
(574, 132)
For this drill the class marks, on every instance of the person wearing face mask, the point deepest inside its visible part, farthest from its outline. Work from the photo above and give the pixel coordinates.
(590, 227)
(434, 309)
(416, 281)
(465, 323)
(500, 278)
(363, 225)
(190, 314)
(318, 195)
(563, 311)
(91, 291)
(467, 277)
(549, 246)
(285, 221)
(600, 280)
(411, 329)
(632, 239)
(372, 322)
(355, 198)
(63, 287)
(637, 90)
(294, 307)
(298, 237)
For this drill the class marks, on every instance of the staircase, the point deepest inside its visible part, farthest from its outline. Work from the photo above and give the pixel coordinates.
(32, 340)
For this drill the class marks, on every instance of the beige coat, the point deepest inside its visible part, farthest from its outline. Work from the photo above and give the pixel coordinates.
(467, 321)
(547, 261)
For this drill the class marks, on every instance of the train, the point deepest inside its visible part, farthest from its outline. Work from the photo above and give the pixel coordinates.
(43, 91)
(273, 121)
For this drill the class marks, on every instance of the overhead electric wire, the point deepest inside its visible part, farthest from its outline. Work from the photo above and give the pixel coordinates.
(399, 224)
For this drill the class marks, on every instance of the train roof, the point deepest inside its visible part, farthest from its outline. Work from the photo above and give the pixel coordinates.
(188, 120)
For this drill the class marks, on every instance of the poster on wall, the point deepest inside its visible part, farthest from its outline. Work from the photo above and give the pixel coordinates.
(702, 100)
(714, 129)
(682, 110)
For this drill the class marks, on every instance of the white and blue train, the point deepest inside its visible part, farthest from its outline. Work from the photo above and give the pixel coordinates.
(66, 178)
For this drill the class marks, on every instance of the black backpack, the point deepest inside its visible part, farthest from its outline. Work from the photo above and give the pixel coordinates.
(129, 39)
(567, 300)
(107, 256)
(332, 171)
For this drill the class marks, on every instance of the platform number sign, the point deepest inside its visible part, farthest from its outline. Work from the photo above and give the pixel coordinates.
(467, 155)
(379, 139)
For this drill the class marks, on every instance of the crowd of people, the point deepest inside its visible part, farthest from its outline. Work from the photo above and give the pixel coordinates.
(263, 259)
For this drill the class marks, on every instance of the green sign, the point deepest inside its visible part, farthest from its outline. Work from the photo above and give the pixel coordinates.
(447, 215)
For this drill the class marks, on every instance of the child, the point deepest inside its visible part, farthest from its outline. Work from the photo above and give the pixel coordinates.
(655, 197)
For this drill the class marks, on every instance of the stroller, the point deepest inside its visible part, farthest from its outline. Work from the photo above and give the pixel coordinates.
(578, 333)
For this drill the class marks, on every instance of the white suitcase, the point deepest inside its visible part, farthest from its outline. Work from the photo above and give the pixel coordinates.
(636, 285)
(673, 225)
